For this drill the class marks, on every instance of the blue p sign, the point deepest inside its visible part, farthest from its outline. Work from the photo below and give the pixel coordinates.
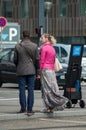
(11, 33)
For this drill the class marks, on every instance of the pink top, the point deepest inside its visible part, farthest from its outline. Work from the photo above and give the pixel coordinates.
(47, 56)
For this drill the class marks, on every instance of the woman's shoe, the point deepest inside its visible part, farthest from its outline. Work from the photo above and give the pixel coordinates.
(51, 109)
(47, 110)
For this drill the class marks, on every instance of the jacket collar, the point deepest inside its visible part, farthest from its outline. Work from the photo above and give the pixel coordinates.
(47, 43)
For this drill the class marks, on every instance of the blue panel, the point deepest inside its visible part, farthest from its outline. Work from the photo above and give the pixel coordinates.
(76, 50)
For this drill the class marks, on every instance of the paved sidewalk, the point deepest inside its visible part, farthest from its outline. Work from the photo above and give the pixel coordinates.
(9, 108)
(66, 112)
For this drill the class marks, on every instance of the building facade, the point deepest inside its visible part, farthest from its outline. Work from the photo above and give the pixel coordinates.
(66, 18)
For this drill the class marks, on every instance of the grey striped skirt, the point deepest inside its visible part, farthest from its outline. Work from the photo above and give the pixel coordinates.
(50, 90)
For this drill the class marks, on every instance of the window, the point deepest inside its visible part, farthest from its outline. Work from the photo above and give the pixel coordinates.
(82, 7)
(11, 56)
(62, 8)
(84, 52)
(7, 8)
(3, 53)
(5, 57)
(63, 52)
(24, 8)
(57, 50)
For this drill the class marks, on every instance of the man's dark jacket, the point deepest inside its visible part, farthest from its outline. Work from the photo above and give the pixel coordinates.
(26, 58)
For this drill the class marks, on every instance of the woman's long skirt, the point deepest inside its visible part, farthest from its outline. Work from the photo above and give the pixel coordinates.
(50, 90)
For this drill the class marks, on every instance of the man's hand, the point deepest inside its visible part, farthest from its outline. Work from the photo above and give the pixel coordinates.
(38, 76)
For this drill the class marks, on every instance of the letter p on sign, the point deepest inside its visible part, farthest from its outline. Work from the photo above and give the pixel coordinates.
(12, 33)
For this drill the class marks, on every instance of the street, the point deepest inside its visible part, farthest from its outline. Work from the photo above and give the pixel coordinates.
(9, 104)
(60, 123)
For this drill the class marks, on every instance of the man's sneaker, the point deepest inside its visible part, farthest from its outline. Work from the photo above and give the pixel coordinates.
(20, 112)
(30, 113)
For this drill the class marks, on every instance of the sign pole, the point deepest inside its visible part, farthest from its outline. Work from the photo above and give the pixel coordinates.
(0, 38)
(3, 22)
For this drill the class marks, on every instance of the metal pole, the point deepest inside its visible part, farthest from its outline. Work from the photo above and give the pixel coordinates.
(1, 38)
(48, 6)
(41, 18)
(41, 13)
(47, 20)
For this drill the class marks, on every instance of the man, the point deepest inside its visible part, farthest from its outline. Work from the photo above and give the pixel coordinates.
(26, 59)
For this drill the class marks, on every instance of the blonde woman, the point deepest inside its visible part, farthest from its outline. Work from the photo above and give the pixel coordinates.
(50, 91)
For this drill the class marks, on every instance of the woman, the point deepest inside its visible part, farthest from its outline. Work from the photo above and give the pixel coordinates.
(50, 91)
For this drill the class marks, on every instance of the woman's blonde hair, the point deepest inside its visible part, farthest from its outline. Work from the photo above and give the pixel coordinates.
(50, 37)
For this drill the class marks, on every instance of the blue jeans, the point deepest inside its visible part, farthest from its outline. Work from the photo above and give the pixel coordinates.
(26, 103)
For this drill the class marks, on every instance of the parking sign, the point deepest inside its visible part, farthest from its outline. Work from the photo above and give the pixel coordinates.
(11, 33)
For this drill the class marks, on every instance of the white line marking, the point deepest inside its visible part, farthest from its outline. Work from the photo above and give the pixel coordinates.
(8, 99)
(11, 115)
(64, 121)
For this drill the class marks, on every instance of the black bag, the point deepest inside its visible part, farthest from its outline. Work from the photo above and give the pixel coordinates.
(37, 84)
